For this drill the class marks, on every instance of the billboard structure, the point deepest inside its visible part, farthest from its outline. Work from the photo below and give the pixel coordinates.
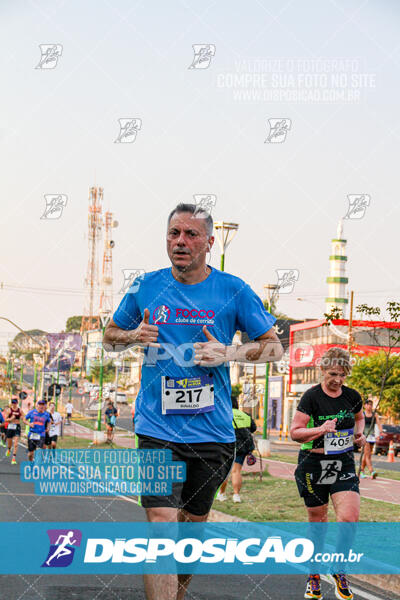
(63, 350)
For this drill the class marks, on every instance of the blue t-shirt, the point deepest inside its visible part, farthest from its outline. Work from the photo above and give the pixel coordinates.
(1, 417)
(38, 421)
(224, 304)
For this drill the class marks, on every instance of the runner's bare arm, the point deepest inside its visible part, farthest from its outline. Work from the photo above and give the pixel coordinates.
(359, 437)
(266, 348)
(117, 339)
(378, 422)
(299, 432)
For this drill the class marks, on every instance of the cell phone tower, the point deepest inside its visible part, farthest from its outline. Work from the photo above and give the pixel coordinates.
(106, 296)
(91, 319)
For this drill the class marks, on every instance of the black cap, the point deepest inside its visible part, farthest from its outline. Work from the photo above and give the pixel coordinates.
(14, 400)
(42, 402)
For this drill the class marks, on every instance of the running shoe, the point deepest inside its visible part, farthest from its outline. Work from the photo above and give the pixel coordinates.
(221, 497)
(313, 588)
(2, 443)
(14, 461)
(8, 452)
(374, 475)
(342, 589)
(236, 498)
(363, 475)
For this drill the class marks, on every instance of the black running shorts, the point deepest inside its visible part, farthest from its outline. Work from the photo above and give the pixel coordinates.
(35, 444)
(207, 466)
(50, 438)
(10, 433)
(320, 475)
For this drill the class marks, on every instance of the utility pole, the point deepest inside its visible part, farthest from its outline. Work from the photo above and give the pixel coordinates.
(225, 232)
(350, 333)
(269, 287)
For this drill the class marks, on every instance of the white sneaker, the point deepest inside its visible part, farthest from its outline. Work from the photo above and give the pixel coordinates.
(236, 498)
(221, 497)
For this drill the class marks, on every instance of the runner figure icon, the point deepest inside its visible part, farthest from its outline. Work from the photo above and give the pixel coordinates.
(330, 470)
(62, 549)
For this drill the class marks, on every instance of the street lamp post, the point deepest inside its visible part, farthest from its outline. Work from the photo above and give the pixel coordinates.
(55, 397)
(10, 374)
(117, 364)
(36, 363)
(225, 234)
(104, 317)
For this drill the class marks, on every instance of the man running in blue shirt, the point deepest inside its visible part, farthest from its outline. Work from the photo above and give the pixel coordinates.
(39, 421)
(184, 402)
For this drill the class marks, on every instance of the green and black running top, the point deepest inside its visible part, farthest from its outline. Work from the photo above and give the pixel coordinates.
(321, 407)
(242, 419)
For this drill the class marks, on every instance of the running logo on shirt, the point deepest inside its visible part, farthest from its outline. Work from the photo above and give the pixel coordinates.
(161, 314)
(62, 547)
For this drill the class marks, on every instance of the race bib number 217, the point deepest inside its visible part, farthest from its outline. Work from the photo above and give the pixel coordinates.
(188, 395)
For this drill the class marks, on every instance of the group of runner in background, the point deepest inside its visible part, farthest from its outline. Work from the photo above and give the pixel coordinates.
(43, 426)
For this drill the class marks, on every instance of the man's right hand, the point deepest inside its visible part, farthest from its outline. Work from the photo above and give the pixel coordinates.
(146, 334)
(329, 426)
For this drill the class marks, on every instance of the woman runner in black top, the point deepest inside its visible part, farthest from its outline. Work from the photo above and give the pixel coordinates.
(328, 421)
(371, 420)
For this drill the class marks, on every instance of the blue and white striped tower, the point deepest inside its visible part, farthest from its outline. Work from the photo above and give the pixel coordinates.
(337, 280)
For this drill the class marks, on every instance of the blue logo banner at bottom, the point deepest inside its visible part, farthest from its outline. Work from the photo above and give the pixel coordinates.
(202, 548)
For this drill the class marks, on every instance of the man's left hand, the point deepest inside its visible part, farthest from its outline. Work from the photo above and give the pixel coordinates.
(211, 353)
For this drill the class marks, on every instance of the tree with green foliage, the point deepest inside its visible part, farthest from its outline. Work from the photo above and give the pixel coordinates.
(18, 347)
(73, 324)
(108, 372)
(367, 376)
(236, 390)
(31, 332)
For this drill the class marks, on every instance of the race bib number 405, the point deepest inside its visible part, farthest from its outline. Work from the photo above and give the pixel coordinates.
(187, 396)
(337, 442)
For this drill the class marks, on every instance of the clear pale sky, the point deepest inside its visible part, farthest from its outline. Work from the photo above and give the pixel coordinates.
(199, 135)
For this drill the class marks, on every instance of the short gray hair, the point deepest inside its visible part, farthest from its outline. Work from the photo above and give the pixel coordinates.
(196, 211)
(336, 357)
